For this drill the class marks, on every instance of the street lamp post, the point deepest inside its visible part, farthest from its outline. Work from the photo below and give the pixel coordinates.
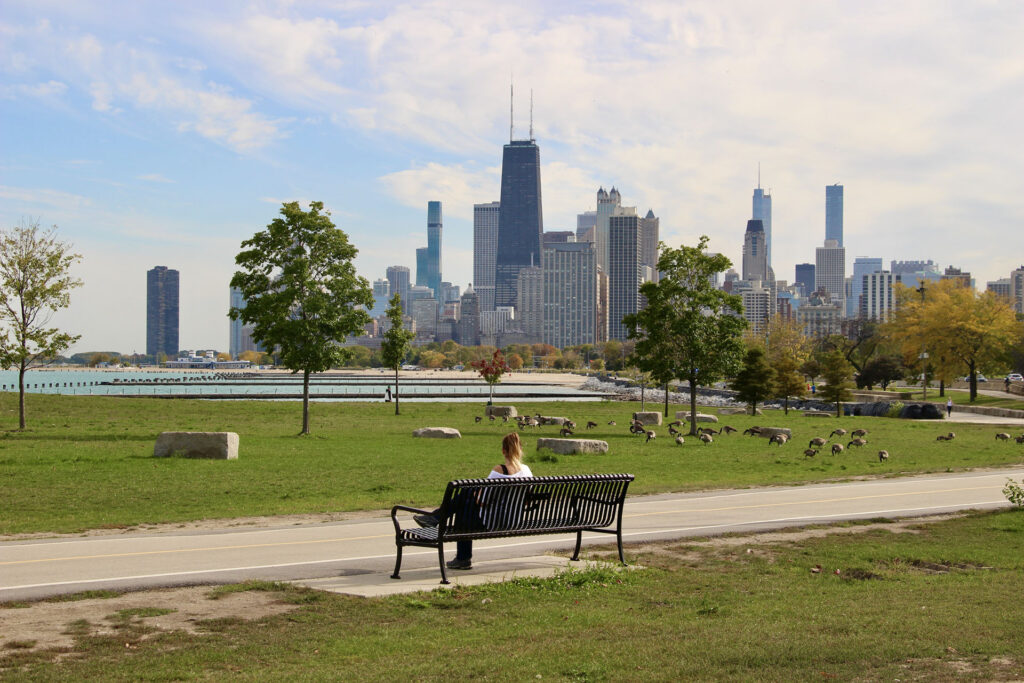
(924, 353)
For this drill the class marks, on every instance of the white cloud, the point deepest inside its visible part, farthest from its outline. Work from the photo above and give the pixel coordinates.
(154, 178)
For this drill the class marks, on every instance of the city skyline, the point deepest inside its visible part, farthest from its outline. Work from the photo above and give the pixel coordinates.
(155, 134)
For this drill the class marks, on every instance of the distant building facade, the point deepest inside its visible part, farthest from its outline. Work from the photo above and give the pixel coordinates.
(520, 218)
(755, 256)
(570, 289)
(877, 296)
(162, 301)
(834, 213)
(485, 252)
(762, 211)
(625, 273)
(830, 272)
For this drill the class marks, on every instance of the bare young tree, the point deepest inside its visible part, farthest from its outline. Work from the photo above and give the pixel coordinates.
(35, 282)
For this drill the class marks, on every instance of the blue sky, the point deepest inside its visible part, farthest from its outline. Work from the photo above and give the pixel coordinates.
(160, 133)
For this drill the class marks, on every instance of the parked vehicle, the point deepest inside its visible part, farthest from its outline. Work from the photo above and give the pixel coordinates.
(1015, 377)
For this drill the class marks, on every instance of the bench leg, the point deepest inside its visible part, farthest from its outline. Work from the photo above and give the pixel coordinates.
(440, 557)
(398, 563)
(579, 542)
(618, 537)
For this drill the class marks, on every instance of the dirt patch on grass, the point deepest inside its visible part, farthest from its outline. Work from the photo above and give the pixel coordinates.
(55, 625)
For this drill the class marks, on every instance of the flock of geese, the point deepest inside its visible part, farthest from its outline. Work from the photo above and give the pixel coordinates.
(706, 435)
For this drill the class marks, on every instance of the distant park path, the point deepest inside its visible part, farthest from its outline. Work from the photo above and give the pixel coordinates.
(135, 560)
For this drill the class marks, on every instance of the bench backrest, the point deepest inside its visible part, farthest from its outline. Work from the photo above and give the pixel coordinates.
(523, 505)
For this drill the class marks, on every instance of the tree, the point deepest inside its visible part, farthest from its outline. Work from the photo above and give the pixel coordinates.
(688, 330)
(395, 345)
(789, 381)
(222, 356)
(302, 294)
(35, 282)
(836, 371)
(492, 370)
(881, 370)
(755, 380)
(251, 356)
(515, 361)
(957, 328)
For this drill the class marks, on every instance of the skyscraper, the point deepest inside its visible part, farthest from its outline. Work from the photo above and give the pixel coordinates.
(570, 294)
(530, 303)
(830, 272)
(877, 299)
(834, 213)
(804, 275)
(755, 257)
(162, 311)
(520, 217)
(434, 225)
(649, 228)
(398, 276)
(862, 265)
(485, 252)
(625, 274)
(585, 223)
(762, 211)
(422, 274)
(607, 202)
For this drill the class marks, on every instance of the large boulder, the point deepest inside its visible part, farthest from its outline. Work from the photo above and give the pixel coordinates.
(818, 413)
(437, 433)
(769, 432)
(648, 418)
(701, 417)
(501, 411)
(572, 446)
(921, 411)
(558, 421)
(209, 445)
(738, 411)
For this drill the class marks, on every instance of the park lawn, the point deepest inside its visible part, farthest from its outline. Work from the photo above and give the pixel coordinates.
(86, 462)
(910, 601)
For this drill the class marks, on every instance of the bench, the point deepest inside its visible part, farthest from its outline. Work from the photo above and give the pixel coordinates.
(519, 506)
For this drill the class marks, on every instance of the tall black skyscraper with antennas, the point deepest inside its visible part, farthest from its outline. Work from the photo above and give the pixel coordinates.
(520, 217)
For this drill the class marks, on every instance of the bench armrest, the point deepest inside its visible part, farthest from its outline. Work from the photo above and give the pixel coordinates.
(404, 508)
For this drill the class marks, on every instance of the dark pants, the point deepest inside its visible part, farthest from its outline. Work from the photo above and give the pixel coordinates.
(949, 410)
(469, 518)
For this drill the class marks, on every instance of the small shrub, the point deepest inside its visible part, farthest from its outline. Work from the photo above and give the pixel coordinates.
(541, 456)
(894, 409)
(1014, 493)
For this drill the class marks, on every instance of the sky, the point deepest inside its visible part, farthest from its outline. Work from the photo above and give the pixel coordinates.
(158, 133)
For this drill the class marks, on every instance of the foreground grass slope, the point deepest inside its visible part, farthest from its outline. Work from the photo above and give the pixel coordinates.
(911, 602)
(86, 462)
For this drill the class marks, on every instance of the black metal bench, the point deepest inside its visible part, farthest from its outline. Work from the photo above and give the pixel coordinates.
(476, 509)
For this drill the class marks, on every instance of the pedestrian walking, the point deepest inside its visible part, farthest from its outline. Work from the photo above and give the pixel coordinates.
(949, 407)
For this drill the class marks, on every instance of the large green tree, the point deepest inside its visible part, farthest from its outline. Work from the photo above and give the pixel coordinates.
(302, 294)
(688, 330)
(836, 371)
(756, 379)
(396, 342)
(35, 282)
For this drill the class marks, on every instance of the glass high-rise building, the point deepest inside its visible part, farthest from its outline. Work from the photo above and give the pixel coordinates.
(520, 218)
(830, 272)
(398, 277)
(434, 224)
(834, 213)
(755, 253)
(762, 211)
(862, 265)
(804, 275)
(162, 311)
(485, 252)
(625, 272)
(421, 267)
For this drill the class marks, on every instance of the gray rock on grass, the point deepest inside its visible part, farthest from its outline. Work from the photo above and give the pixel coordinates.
(501, 411)
(437, 433)
(701, 417)
(573, 446)
(208, 445)
(648, 418)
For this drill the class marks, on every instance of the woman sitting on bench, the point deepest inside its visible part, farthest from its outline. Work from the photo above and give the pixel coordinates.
(512, 450)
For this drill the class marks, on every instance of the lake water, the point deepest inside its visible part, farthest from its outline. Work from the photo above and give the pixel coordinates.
(333, 386)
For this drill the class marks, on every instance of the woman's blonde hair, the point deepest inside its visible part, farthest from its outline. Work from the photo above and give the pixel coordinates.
(512, 448)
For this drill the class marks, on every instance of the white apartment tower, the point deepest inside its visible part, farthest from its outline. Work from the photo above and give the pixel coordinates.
(485, 252)
(570, 294)
(830, 271)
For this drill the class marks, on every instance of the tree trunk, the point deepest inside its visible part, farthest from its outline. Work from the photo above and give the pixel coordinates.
(693, 404)
(21, 395)
(974, 381)
(942, 388)
(839, 408)
(642, 404)
(785, 405)
(396, 390)
(666, 399)
(305, 402)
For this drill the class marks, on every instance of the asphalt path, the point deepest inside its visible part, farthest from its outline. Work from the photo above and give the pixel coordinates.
(132, 561)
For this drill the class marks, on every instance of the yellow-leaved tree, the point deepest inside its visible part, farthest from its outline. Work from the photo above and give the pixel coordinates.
(955, 328)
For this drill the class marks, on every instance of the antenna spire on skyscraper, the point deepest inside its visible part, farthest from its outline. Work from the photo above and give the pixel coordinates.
(531, 114)
(759, 175)
(511, 114)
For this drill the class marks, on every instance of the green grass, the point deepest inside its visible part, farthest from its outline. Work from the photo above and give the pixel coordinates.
(86, 462)
(939, 603)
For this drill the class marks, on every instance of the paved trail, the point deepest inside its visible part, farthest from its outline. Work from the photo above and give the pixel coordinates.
(40, 568)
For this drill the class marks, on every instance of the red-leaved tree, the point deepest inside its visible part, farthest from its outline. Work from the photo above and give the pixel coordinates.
(492, 370)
